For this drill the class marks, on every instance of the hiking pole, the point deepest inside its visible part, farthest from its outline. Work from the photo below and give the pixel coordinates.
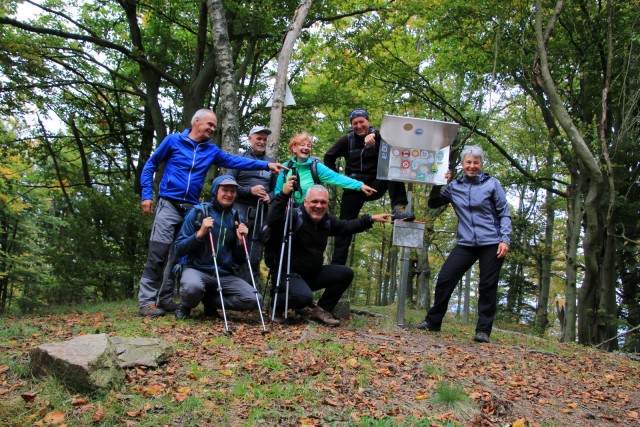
(287, 224)
(289, 244)
(215, 265)
(257, 225)
(253, 282)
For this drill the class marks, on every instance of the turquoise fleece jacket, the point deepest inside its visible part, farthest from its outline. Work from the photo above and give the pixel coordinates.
(325, 175)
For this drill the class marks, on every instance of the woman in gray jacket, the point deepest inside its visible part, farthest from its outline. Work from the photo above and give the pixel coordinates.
(484, 225)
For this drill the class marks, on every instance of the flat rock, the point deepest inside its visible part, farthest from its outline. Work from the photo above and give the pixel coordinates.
(87, 363)
(134, 351)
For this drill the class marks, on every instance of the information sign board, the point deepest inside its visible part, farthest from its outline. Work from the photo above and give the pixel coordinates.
(415, 150)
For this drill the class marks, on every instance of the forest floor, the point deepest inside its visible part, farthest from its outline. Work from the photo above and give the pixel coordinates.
(368, 372)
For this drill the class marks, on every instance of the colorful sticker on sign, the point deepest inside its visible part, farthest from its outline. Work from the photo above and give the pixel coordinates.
(396, 152)
(406, 153)
(415, 153)
(419, 131)
(405, 164)
(407, 126)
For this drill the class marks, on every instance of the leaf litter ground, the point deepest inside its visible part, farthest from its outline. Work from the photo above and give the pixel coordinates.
(366, 372)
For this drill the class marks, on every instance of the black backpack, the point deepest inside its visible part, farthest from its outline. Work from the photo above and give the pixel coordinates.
(314, 169)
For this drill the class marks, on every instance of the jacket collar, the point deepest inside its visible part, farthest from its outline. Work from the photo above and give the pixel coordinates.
(481, 177)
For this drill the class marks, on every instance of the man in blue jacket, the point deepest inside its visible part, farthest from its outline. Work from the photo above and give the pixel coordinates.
(187, 157)
(214, 224)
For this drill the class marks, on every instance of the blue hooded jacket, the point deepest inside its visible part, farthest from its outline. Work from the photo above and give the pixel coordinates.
(198, 252)
(481, 206)
(187, 163)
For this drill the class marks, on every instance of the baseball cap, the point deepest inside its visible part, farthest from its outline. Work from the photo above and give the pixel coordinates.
(258, 129)
(228, 181)
(358, 112)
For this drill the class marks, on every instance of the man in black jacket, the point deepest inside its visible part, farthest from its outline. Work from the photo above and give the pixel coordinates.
(255, 191)
(311, 226)
(360, 149)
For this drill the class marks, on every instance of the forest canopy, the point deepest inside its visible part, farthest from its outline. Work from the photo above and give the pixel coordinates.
(549, 89)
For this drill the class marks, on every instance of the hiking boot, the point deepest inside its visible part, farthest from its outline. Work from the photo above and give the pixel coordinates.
(481, 337)
(426, 326)
(182, 312)
(400, 214)
(151, 311)
(168, 306)
(321, 315)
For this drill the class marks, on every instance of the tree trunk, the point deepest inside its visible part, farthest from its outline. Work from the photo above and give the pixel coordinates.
(607, 326)
(574, 221)
(228, 120)
(542, 319)
(589, 292)
(279, 88)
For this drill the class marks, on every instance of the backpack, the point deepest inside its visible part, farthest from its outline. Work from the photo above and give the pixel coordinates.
(314, 169)
(352, 141)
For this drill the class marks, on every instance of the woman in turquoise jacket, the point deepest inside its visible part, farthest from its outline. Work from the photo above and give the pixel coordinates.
(302, 163)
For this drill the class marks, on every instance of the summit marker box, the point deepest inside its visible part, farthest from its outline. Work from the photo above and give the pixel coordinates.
(415, 150)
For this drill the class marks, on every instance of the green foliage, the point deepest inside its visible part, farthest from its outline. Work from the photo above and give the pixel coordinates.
(84, 102)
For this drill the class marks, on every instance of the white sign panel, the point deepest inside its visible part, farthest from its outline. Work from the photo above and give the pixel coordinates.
(415, 150)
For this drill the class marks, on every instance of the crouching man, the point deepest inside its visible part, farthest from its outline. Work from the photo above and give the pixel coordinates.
(311, 227)
(214, 224)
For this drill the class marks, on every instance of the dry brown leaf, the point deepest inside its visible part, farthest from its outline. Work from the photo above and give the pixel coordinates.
(80, 401)
(331, 402)
(522, 422)
(54, 418)
(28, 397)
(180, 397)
(99, 415)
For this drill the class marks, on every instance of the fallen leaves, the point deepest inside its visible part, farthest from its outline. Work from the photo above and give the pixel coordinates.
(353, 375)
(53, 418)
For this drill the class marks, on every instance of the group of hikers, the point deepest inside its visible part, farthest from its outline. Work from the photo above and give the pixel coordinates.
(262, 206)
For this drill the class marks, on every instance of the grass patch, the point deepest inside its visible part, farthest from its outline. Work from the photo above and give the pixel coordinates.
(368, 372)
(450, 397)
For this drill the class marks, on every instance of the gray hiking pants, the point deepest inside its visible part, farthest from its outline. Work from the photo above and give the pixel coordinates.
(155, 286)
(238, 294)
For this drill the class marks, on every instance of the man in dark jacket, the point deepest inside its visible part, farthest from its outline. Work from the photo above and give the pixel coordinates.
(255, 191)
(214, 224)
(187, 157)
(360, 149)
(312, 225)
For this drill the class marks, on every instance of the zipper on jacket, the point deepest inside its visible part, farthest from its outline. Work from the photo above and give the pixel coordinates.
(193, 162)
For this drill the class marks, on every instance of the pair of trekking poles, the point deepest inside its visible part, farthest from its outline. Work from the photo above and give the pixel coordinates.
(286, 242)
(253, 281)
